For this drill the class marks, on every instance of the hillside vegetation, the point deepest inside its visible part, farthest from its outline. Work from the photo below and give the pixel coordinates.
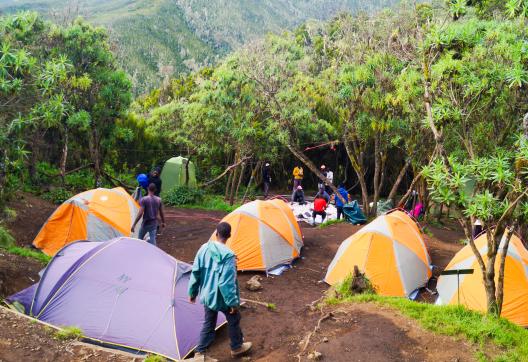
(159, 38)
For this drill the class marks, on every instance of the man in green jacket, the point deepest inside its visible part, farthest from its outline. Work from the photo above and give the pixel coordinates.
(214, 278)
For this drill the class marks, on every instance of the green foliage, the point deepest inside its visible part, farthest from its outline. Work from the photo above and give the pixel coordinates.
(9, 214)
(6, 239)
(330, 223)
(344, 290)
(148, 51)
(69, 333)
(29, 253)
(57, 196)
(214, 202)
(458, 322)
(183, 195)
(155, 358)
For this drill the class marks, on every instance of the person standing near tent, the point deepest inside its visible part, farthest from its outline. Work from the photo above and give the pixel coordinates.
(150, 207)
(298, 175)
(330, 177)
(214, 278)
(154, 178)
(319, 208)
(266, 178)
(339, 204)
(324, 173)
(142, 181)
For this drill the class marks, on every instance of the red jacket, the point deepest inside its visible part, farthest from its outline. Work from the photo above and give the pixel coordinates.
(319, 205)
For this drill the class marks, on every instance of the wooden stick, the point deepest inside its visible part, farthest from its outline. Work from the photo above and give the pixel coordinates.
(256, 302)
(310, 335)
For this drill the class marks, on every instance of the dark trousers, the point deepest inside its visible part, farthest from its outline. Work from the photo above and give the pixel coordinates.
(322, 213)
(266, 189)
(339, 212)
(207, 334)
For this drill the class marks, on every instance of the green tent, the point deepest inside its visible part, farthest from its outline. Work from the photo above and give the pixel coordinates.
(173, 173)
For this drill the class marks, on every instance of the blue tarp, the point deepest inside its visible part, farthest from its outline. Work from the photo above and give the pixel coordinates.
(353, 213)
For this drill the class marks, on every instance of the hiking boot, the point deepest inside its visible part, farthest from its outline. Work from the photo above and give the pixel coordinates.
(244, 348)
(200, 357)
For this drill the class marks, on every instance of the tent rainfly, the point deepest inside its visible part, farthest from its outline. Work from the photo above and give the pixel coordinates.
(472, 292)
(390, 251)
(96, 215)
(264, 234)
(174, 173)
(125, 292)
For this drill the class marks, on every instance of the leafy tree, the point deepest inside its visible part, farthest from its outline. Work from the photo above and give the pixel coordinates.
(499, 198)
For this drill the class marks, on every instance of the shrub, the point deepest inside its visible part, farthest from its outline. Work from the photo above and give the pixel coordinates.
(6, 239)
(81, 180)
(183, 195)
(351, 286)
(58, 195)
(10, 215)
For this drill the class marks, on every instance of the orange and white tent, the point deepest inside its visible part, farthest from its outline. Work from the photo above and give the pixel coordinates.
(390, 251)
(264, 234)
(95, 215)
(472, 292)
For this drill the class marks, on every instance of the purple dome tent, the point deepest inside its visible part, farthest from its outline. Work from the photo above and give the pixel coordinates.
(123, 292)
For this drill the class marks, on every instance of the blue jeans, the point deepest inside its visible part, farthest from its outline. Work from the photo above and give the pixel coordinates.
(207, 334)
(151, 230)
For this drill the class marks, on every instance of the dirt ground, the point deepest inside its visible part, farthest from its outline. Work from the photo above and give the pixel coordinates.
(360, 333)
(23, 340)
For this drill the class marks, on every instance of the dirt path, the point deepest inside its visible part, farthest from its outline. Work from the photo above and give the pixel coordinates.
(276, 334)
(23, 340)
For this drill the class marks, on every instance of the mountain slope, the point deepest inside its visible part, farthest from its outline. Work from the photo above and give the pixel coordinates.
(156, 38)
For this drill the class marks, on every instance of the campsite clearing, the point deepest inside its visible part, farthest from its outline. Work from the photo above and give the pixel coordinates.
(276, 333)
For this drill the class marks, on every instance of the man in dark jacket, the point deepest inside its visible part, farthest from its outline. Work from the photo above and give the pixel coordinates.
(154, 178)
(266, 178)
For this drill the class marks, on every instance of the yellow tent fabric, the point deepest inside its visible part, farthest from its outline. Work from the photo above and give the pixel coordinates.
(472, 292)
(264, 234)
(95, 215)
(390, 251)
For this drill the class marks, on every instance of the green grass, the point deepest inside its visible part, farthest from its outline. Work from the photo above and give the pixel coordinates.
(456, 321)
(28, 253)
(213, 202)
(68, 333)
(6, 239)
(154, 358)
(272, 307)
(330, 223)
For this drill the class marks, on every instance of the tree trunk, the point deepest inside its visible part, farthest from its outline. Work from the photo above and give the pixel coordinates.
(361, 178)
(187, 171)
(64, 158)
(96, 157)
(240, 177)
(228, 183)
(500, 282)
(251, 178)
(232, 187)
(399, 179)
(377, 173)
(525, 125)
